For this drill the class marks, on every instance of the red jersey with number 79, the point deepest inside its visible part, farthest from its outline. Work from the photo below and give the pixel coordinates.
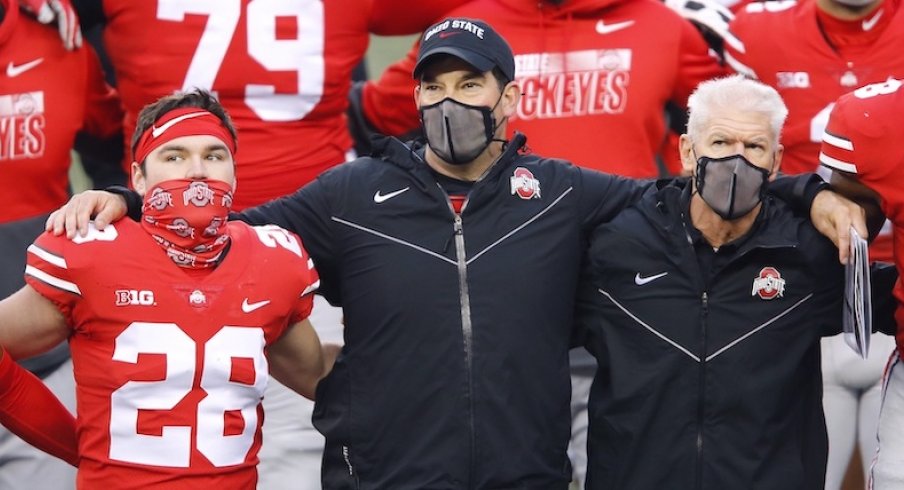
(170, 363)
(282, 69)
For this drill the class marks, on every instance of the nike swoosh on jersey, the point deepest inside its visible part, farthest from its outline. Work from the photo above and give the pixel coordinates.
(13, 71)
(155, 132)
(249, 307)
(380, 198)
(640, 281)
(603, 28)
(868, 24)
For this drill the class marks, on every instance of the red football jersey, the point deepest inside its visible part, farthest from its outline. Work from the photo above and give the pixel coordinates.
(47, 95)
(863, 137)
(281, 69)
(595, 76)
(170, 363)
(784, 47)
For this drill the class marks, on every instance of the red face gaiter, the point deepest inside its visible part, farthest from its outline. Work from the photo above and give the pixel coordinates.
(188, 219)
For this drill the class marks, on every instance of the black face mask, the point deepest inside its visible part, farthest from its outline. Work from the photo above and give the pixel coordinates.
(731, 186)
(458, 133)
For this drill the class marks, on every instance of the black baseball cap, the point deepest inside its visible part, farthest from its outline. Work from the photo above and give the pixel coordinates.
(472, 40)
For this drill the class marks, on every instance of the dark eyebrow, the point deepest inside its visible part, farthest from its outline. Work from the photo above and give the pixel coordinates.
(217, 147)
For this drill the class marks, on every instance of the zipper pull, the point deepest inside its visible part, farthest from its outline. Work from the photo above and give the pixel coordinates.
(456, 230)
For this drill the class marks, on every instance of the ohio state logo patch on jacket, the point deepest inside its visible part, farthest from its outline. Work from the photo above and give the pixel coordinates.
(769, 284)
(524, 184)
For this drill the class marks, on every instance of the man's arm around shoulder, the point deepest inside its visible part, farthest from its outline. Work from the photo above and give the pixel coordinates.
(298, 361)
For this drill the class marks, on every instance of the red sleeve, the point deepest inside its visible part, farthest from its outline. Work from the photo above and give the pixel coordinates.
(310, 282)
(837, 150)
(863, 132)
(695, 64)
(388, 102)
(103, 113)
(399, 17)
(29, 410)
(738, 57)
(47, 271)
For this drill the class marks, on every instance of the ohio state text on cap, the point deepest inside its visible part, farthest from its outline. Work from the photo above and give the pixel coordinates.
(471, 40)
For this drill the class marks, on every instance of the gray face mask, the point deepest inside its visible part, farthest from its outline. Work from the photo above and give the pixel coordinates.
(731, 186)
(458, 133)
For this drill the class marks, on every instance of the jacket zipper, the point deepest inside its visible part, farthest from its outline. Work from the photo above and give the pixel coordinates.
(701, 401)
(465, 301)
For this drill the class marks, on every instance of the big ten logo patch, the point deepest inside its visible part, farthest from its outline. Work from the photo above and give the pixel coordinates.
(134, 297)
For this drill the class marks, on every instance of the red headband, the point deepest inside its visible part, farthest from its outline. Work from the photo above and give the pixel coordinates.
(185, 121)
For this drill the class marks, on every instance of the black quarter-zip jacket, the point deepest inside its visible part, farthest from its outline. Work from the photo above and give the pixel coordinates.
(454, 373)
(708, 379)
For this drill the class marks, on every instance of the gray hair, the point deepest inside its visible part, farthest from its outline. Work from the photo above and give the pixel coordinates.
(734, 93)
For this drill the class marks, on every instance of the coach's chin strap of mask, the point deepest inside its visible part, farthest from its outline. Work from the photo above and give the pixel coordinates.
(188, 219)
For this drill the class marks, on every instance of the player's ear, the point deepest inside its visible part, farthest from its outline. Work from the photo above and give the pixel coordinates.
(686, 152)
(511, 94)
(777, 161)
(139, 181)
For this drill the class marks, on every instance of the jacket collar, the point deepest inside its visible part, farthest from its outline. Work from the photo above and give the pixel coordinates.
(410, 156)
(669, 207)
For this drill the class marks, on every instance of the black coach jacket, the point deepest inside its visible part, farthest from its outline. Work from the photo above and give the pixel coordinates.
(454, 373)
(708, 386)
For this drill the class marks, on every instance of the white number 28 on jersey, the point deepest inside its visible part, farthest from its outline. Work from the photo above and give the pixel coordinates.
(172, 448)
(304, 55)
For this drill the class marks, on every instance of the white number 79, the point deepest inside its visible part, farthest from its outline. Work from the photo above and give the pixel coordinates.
(304, 55)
